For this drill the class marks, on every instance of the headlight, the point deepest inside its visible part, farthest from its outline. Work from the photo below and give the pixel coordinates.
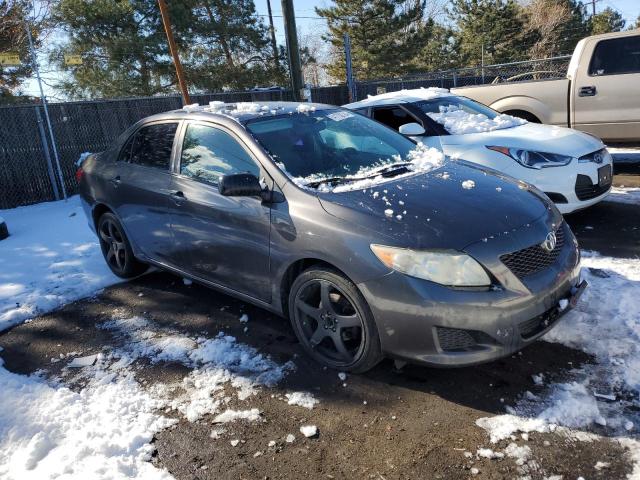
(448, 268)
(531, 159)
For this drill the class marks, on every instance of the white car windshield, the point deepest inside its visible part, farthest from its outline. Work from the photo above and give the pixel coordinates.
(460, 115)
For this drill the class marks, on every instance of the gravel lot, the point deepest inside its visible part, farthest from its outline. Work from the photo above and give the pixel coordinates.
(414, 422)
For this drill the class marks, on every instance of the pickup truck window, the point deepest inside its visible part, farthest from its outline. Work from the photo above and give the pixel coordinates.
(616, 56)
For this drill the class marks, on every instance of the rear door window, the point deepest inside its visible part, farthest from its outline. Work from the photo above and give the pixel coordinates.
(209, 153)
(616, 56)
(152, 146)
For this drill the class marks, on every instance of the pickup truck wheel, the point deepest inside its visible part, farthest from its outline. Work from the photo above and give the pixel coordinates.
(529, 117)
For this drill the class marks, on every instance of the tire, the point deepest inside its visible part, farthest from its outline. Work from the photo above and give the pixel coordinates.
(333, 322)
(4, 230)
(116, 248)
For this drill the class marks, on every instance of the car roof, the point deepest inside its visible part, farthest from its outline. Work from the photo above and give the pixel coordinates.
(239, 111)
(401, 96)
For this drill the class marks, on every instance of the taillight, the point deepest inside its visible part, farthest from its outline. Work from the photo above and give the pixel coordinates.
(79, 174)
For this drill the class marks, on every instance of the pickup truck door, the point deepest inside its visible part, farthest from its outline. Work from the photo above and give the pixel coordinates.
(606, 91)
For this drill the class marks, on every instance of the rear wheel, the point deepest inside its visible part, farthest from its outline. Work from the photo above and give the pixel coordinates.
(117, 249)
(333, 322)
(529, 117)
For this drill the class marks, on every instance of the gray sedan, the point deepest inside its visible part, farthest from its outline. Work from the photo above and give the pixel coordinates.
(370, 244)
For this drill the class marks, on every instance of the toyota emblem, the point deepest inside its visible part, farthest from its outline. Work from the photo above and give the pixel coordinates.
(550, 242)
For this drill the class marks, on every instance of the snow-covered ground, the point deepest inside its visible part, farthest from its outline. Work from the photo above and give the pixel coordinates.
(601, 398)
(51, 258)
(624, 195)
(105, 429)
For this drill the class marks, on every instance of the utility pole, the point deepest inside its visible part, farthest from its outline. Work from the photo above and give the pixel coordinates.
(593, 6)
(272, 31)
(166, 21)
(293, 50)
(351, 85)
(43, 99)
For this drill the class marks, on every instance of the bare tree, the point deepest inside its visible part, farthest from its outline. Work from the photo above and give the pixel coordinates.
(546, 17)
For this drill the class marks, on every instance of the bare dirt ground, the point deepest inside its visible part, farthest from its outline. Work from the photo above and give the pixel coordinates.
(388, 424)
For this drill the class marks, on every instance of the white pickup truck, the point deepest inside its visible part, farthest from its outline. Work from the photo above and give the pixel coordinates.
(600, 96)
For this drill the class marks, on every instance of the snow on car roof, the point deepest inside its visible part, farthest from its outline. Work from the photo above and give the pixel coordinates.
(402, 96)
(244, 111)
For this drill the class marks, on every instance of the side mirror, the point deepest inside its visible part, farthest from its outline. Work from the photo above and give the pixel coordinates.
(411, 129)
(240, 185)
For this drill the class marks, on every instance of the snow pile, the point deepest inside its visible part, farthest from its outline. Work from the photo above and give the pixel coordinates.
(302, 399)
(103, 431)
(51, 258)
(624, 195)
(305, 108)
(460, 122)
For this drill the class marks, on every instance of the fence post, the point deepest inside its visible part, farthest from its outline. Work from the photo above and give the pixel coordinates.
(45, 149)
(455, 79)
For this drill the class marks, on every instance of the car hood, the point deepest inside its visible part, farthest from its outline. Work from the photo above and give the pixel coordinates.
(530, 136)
(448, 208)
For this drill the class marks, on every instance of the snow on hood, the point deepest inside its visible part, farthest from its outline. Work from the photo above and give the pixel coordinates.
(460, 122)
(451, 207)
(530, 136)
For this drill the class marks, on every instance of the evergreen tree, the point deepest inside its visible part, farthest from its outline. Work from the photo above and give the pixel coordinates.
(122, 44)
(492, 30)
(234, 49)
(607, 21)
(386, 36)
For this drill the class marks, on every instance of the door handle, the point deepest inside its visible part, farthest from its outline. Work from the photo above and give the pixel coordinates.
(178, 197)
(115, 181)
(589, 91)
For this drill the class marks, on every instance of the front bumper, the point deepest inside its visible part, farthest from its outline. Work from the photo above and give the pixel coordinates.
(423, 322)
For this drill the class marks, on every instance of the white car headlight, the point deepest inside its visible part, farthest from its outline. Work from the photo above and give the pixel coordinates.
(448, 268)
(533, 159)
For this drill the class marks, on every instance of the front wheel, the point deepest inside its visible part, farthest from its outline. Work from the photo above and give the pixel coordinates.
(333, 322)
(117, 249)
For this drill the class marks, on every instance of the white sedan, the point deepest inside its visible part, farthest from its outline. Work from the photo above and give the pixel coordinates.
(573, 168)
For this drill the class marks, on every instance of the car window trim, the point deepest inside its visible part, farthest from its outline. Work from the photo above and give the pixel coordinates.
(180, 140)
(132, 137)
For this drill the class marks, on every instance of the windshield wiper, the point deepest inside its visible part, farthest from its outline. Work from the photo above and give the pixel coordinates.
(334, 180)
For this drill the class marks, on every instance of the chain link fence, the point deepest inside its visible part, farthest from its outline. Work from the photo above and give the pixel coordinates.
(29, 169)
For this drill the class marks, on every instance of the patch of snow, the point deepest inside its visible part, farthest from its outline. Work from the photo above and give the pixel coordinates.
(244, 318)
(51, 258)
(290, 438)
(302, 399)
(460, 122)
(193, 107)
(406, 95)
(252, 415)
(81, 362)
(488, 453)
(629, 195)
(468, 184)
(520, 453)
(49, 431)
(305, 108)
(309, 430)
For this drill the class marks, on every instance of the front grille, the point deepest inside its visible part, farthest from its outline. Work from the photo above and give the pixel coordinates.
(533, 259)
(530, 328)
(459, 340)
(586, 190)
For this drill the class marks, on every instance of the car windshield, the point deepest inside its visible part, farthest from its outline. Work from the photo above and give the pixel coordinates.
(336, 144)
(460, 115)
(452, 102)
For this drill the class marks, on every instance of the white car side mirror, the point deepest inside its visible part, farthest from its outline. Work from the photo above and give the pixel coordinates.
(411, 129)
